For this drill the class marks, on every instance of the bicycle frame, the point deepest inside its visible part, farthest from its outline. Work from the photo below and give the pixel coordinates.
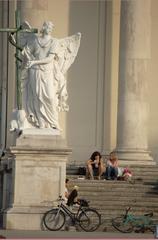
(137, 221)
(66, 210)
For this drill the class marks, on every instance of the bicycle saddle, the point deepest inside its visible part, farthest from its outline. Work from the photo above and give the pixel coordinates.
(149, 214)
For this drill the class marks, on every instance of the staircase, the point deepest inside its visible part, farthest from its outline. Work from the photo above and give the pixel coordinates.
(111, 198)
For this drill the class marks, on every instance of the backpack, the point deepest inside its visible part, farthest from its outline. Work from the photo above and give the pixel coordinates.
(82, 171)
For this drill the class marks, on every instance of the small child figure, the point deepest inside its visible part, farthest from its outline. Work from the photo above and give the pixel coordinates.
(127, 174)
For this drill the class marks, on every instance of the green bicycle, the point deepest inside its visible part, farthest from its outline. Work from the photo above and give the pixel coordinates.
(127, 223)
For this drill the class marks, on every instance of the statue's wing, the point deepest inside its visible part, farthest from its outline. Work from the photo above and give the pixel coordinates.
(67, 51)
(26, 37)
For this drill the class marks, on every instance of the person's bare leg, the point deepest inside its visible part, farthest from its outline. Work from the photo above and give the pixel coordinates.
(90, 171)
(101, 171)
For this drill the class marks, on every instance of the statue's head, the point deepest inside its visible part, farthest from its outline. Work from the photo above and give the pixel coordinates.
(47, 27)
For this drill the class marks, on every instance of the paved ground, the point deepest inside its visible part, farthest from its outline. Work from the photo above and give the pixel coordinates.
(73, 235)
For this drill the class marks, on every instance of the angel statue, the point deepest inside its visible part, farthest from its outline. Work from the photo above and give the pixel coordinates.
(45, 60)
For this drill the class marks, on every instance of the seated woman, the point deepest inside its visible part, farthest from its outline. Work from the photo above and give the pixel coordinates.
(95, 166)
(111, 172)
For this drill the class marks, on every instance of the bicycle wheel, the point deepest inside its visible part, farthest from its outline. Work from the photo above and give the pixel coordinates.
(152, 228)
(122, 225)
(89, 220)
(54, 219)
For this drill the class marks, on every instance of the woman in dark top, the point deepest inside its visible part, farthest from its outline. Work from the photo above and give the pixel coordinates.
(95, 166)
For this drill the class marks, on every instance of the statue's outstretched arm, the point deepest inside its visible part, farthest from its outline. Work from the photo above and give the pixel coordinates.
(41, 61)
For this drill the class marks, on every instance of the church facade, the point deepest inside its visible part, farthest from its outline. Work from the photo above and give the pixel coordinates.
(112, 86)
(106, 111)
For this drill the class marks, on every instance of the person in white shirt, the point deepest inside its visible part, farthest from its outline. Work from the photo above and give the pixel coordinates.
(111, 172)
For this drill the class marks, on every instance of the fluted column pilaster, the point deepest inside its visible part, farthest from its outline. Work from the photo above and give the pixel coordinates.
(132, 140)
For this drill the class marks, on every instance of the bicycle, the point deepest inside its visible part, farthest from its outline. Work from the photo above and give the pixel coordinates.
(127, 223)
(87, 218)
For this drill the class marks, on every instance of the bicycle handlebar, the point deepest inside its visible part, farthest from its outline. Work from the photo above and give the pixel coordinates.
(60, 198)
(127, 210)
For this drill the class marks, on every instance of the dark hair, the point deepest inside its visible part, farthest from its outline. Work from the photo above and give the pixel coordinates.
(66, 180)
(94, 154)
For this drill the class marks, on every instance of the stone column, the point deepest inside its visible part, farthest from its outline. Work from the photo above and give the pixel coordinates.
(35, 12)
(3, 73)
(132, 142)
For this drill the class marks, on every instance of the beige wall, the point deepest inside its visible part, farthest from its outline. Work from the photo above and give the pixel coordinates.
(94, 78)
(153, 83)
(86, 80)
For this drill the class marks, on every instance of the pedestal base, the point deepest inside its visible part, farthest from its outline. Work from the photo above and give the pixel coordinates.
(25, 218)
(38, 177)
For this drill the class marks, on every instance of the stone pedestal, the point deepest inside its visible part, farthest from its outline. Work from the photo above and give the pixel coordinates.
(38, 171)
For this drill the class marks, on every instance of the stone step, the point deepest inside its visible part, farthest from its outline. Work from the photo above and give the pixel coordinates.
(108, 212)
(118, 193)
(140, 173)
(141, 176)
(75, 166)
(83, 178)
(111, 188)
(113, 195)
(117, 197)
(123, 203)
(111, 213)
(134, 181)
(111, 198)
(122, 198)
(106, 185)
(144, 170)
(134, 169)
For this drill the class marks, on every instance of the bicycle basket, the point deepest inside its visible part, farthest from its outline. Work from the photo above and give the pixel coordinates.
(84, 203)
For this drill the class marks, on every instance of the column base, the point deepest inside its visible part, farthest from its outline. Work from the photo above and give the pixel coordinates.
(134, 157)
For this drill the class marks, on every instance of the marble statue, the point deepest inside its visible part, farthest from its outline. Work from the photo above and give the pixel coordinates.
(45, 61)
